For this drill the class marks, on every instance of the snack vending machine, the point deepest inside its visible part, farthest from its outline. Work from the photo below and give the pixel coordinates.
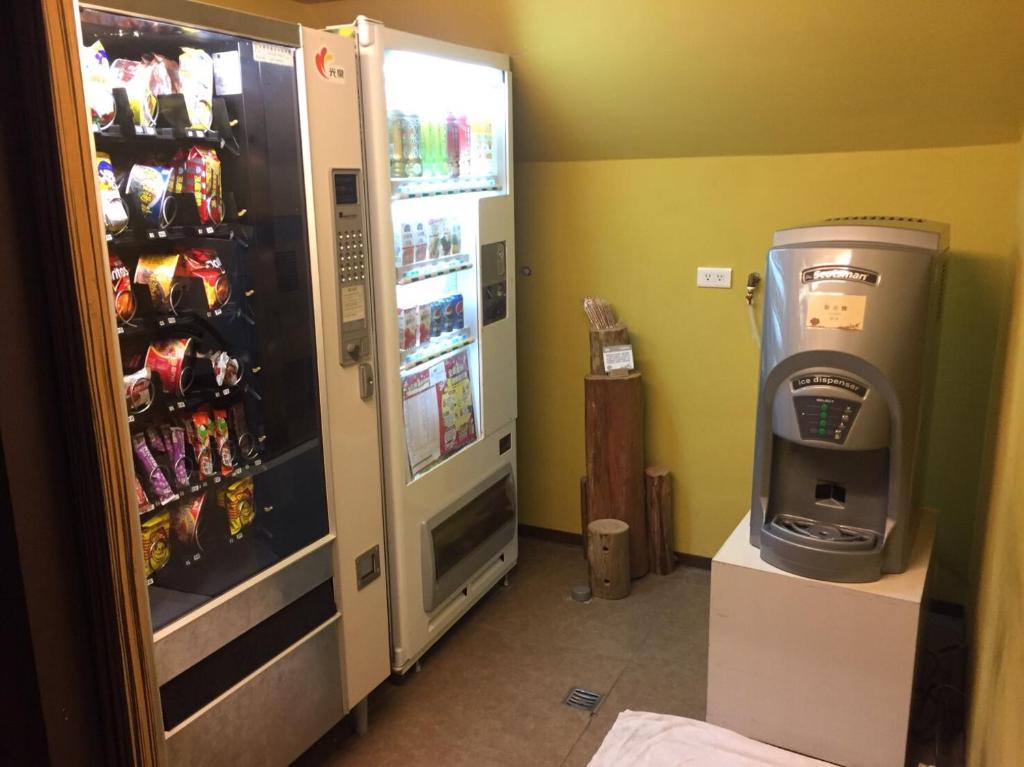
(437, 136)
(261, 576)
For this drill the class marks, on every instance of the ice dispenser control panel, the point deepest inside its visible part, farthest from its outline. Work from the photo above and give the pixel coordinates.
(825, 419)
(350, 247)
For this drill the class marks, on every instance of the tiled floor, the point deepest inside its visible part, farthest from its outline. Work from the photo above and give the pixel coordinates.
(490, 693)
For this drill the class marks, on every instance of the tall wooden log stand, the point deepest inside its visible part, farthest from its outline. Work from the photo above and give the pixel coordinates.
(614, 428)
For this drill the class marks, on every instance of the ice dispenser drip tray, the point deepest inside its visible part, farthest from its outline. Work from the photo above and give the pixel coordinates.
(822, 534)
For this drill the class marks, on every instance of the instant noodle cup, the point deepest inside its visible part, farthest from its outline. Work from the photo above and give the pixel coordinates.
(96, 80)
(171, 362)
(150, 184)
(115, 213)
(120, 282)
(195, 70)
(156, 543)
(138, 390)
(134, 77)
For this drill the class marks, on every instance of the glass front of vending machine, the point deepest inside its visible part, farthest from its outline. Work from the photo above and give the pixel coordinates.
(199, 163)
(446, 148)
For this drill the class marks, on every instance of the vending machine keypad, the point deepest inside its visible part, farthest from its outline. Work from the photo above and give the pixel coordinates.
(350, 247)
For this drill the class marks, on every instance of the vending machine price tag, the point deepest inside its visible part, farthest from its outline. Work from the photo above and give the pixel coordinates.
(131, 419)
(149, 581)
(216, 480)
(172, 320)
(197, 557)
(258, 462)
(194, 489)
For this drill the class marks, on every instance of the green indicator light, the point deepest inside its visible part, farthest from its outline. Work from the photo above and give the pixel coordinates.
(821, 431)
(822, 423)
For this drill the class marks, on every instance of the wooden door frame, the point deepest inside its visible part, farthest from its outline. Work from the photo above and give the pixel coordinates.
(70, 261)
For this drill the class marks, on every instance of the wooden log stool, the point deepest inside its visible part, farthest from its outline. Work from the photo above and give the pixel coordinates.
(608, 552)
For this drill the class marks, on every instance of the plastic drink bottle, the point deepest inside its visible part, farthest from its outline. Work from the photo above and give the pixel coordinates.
(396, 129)
(452, 145)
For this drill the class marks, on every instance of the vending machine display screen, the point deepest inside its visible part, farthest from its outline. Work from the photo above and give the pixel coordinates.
(345, 189)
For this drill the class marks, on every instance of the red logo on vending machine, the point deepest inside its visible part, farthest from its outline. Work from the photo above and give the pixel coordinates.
(324, 60)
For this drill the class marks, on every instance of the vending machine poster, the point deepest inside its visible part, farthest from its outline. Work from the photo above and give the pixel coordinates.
(439, 416)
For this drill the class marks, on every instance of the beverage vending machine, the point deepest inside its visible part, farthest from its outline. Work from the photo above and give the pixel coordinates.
(437, 135)
(267, 605)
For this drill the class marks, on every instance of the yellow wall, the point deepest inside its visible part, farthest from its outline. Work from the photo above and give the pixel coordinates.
(634, 231)
(997, 715)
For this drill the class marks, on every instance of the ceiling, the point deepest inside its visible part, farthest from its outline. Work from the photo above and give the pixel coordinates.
(607, 79)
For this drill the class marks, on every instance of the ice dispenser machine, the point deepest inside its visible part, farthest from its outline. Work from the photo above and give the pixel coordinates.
(850, 313)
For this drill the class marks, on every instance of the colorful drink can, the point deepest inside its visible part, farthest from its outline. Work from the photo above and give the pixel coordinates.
(171, 362)
(460, 313)
(452, 306)
(437, 318)
(150, 185)
(156, 549)
(402, 347)
(434, 239)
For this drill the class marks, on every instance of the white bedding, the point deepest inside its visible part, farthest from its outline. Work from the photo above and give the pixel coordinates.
(638, 739)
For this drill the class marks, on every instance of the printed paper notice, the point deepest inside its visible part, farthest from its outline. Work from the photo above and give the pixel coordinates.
(227, 73)
(353, 303)
(272, 54)
(836, 310)
(421, 428)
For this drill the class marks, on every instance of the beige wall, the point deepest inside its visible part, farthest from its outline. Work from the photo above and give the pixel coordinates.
(997, 704)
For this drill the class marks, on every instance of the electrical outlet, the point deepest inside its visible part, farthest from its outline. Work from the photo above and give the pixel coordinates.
(708, 277)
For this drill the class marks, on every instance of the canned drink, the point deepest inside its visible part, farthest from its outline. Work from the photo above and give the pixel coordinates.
(436, 318)
(124, 298)
(158, 273)
(115, 214)
(460, 313)
(171, 362)
(396, 132)
(449, 312)
(411, 326)
(138, 390)
(150, 184)
(411, 146)
(424, 323)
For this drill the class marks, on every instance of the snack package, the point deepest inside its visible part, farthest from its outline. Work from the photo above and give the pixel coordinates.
(121, 284)
(198, 427)
(164, 75)
(157, 273)
(222, 436)
(141, 499)
(185, 520)
(237, 501)
(115, 212)
(171, 362)
(97, 84)
(247, 444)
(150, 469)
(174, 439)
(195, 70)
(197, 171)
(206, 265)
(135, 78)
(156, 548)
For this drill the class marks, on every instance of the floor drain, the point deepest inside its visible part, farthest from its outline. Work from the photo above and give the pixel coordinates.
(587, 700)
